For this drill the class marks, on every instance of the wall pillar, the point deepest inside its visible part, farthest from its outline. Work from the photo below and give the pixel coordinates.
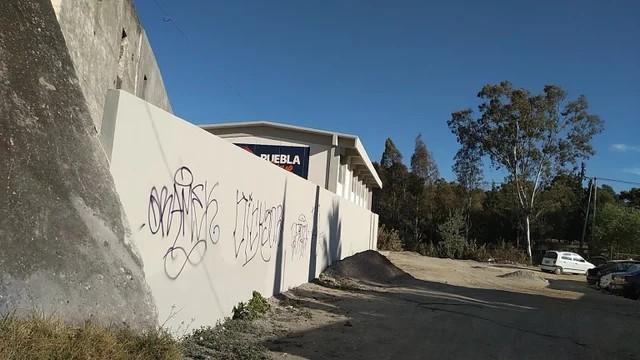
(333, 166)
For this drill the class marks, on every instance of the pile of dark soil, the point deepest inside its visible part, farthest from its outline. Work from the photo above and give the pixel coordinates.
(368, 267)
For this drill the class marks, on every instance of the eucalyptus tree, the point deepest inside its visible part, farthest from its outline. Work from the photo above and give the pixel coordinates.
(532, 137)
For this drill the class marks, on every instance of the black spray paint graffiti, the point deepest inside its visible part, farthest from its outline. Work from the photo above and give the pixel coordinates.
(186, 213)
(257, 228)
(300, 237)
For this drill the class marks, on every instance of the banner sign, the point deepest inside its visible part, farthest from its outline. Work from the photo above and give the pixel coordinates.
(291, 158)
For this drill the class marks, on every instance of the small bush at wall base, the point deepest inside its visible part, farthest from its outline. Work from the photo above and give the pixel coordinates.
(253, 309)
(233, 339)
(40, 337)
(389, 239)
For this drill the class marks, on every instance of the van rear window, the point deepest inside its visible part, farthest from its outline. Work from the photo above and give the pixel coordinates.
(551, 255)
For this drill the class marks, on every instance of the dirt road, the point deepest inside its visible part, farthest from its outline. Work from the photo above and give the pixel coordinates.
(458, 310)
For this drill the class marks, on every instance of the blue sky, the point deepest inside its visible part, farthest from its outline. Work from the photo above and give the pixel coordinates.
(394, 69)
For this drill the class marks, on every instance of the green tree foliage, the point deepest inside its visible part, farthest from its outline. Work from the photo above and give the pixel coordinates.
(453, 244)
(467, 168)
(560, 209)
(533, 138)
(631, 197)
(400, 201)
(426, 217)
(391, 155)
(605, 195)
(422, 163)
(617, 229)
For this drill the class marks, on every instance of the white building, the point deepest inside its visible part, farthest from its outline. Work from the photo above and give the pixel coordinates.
(338, 162)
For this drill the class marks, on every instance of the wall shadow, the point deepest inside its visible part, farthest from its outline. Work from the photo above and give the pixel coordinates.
(313, 260)
(279, 272)
(417, 319)
(334, 250)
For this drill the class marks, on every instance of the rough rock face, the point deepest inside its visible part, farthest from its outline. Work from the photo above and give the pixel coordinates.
(63, 240)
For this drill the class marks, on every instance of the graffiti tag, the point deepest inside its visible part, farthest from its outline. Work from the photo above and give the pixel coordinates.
(186, 212)
(257, 228)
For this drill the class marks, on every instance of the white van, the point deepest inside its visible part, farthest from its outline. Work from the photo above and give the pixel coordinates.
(565, 262)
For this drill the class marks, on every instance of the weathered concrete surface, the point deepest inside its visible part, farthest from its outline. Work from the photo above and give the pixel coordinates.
(109, 49)
(63, 247)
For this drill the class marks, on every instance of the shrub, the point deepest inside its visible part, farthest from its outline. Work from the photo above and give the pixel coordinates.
(233, 339)
(389, 239)
(253, 309)
(427, 249)
(453, 244)
(507, 253)
(503, 252)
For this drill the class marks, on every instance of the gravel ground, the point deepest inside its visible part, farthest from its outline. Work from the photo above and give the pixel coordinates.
(449, 309)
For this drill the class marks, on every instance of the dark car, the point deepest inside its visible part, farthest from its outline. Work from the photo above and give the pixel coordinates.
(627, 283)
(598, 260)
(594, 275)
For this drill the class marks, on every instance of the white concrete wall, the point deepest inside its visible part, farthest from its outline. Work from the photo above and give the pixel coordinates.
(212, 222)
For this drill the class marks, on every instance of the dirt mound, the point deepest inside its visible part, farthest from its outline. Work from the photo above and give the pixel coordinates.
(525, 275)
(368, 266)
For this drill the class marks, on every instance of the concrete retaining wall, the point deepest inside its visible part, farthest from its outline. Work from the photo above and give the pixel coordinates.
(64, 247)
(110, 50)
(212, 222)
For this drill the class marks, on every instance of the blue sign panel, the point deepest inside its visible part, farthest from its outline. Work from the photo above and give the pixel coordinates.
(291, 158)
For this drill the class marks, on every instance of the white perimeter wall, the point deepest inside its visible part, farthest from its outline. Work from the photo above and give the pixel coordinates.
(212, 222)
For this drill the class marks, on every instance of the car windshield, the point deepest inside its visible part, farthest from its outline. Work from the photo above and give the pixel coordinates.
(551, 255)
(633, 268)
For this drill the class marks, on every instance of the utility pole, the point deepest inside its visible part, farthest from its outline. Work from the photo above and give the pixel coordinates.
(595, 202)
(586, 214)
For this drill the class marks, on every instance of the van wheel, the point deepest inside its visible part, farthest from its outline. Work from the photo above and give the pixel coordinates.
(558, 271)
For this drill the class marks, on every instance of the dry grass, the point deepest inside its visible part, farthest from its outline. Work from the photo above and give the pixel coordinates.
(37, 336)
(40, 337)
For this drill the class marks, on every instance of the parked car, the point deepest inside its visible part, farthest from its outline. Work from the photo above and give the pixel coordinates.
(598, 260)
(627, 283)
(565, 262)
(594, 275)
(607, 281)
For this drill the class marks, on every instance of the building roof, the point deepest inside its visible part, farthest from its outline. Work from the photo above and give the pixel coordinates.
(346, 141)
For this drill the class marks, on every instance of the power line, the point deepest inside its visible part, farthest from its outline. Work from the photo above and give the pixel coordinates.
(618, 181)
(169, 19)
